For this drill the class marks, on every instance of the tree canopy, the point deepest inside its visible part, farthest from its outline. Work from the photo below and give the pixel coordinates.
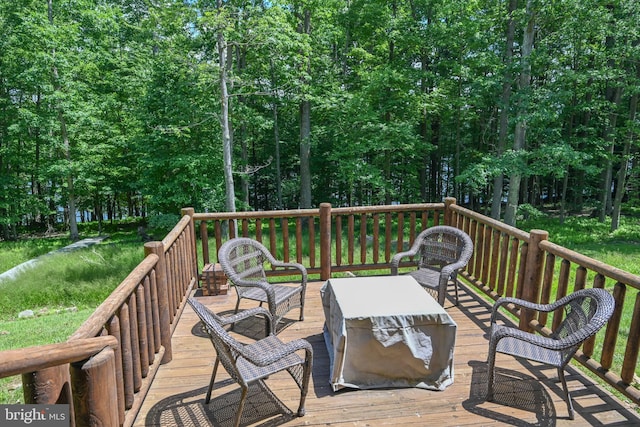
(113, 108)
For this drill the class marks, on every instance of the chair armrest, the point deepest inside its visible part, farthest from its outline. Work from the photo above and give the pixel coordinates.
(256, 354)
(545, 308)
(294, 265)
(265, 286)
(535, 339)
(449, 269)
(395, 261)
(245, 314)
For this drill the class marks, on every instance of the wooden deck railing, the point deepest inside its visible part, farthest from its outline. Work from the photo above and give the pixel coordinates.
(510, 262)
(506, 262)
(349, 239)
(106, 367)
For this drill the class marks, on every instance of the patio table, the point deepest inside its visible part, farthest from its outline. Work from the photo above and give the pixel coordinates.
(386, 331)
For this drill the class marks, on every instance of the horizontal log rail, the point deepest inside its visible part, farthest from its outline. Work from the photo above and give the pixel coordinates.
(36, 358)
(119, 348)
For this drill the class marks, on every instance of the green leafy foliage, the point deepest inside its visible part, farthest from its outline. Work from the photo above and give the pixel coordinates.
(406, 105)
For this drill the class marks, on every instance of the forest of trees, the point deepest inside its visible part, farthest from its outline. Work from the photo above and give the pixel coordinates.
(121, 108)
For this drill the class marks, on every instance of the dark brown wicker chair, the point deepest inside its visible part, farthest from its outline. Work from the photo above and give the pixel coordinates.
(441, 250)
(249, 363)
(243, 261)
(585, 312)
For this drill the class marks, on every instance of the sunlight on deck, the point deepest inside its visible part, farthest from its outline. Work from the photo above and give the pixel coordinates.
(176, 397)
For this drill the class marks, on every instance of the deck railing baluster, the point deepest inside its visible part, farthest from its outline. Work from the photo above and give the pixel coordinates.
(363, 238)
(338, 236)
(387, 237)
(127, 356)
(114, 330)
(299, 249)
(486, 255)
(284, 226)
(495, 259)
(503, 263)
(376, 238)
(143, 339)
(630, 362)
(350, 238)
(581, 278)
(258, 230)
(135, 343)
(400, 233)
(613, 327)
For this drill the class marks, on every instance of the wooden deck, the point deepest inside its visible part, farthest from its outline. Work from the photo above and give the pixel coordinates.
(176, 397)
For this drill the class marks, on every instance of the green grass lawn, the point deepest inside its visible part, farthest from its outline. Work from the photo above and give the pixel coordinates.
(48, 326)
(62, 290)
(14, 253)
(587, 236)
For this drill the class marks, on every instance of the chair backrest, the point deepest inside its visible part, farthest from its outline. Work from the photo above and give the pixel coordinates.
(243, 259)
(226, 346)
(586, 311)
(441, 245)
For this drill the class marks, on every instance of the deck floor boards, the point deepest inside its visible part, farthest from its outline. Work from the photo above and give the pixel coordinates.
(176, 397)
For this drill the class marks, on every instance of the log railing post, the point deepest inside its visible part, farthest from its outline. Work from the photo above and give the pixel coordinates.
(193, 262)
(448, 214)
(532, 280)
(157, 248)
(95, 390)
(48, 386)
(325, 241)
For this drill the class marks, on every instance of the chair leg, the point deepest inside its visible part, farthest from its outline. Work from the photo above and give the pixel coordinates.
(243, 397)
(213, 378)
(567, 396)
(304, 389)
(491, 367)
(455, 284)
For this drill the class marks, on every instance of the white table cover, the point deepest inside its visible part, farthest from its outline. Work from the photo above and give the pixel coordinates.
(386, 331)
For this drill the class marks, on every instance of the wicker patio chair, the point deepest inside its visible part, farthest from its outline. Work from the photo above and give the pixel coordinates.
(442, 251)
(585, 312)
(243, 261)
(250, 363)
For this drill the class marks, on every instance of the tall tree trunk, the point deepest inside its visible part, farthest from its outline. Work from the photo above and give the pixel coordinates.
(245, 176)
(609, 137)
(565, 178)
(578, 193)
(71, 202)
(276, 138)
(305, 126)
(434, 161)
(613, 95)
(230, 200)
(622, 172)
(521, 124)
(305, 154)
(498, 181)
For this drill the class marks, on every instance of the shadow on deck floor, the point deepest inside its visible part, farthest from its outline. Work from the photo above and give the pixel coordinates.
(526, 393)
